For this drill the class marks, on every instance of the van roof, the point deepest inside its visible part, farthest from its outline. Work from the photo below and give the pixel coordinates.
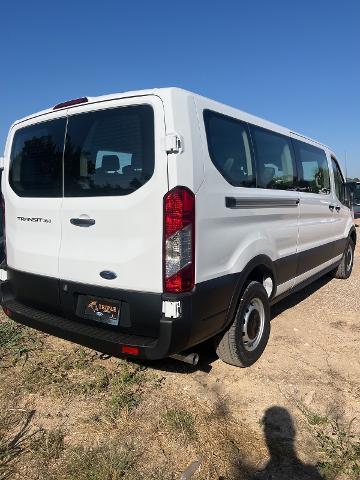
(163, 91)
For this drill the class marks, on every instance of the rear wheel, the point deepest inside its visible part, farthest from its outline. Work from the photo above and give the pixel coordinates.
(345, 268)
(245, 340)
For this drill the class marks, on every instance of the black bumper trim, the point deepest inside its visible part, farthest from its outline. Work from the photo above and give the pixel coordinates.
(99, 339)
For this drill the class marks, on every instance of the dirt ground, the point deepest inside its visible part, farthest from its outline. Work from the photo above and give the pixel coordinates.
(295, 414)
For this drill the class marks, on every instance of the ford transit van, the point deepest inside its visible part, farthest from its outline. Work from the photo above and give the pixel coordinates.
(144, 223)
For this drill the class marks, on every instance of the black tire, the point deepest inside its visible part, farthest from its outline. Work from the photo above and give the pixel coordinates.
(346, 265)
(246, 338)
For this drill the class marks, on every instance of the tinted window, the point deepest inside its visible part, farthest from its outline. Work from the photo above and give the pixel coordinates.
(36, 160)
(355, 189)
(229, 148)
(339, 181)
(313, 168)
(274, 158)
(109, 152)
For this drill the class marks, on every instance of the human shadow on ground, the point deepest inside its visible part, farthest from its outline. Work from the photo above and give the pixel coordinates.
(283, 464)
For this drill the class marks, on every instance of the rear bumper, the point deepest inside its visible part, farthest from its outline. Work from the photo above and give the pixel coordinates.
(173, 333)
(97, 338)
(203, 314)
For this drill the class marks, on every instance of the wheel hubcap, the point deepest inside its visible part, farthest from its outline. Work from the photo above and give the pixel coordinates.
(253, 324)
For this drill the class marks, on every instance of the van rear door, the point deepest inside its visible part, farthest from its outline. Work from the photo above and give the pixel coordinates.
(33, 196)
(115, 177)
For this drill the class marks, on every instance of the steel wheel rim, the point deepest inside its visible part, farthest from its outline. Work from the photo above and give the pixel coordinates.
(253, 324)
(349, 257)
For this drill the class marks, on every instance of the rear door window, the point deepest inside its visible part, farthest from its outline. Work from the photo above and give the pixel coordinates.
(109, 152)
(274, 158)
(313, 168)
(36, 159)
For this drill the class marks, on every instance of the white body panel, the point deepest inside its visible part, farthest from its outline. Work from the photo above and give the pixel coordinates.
(32, 246)
(228, 239)
(127, 236)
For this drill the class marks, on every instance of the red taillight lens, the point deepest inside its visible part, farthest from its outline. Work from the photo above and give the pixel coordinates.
(179, 240)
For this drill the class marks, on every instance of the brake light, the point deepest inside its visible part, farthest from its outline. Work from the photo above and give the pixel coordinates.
(70, 103)
(3, 227)
(179, 241)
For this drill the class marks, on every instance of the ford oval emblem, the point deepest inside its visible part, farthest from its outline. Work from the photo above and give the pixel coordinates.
(108, 275)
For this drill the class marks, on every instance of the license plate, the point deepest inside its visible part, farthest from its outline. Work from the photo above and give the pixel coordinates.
(102, 310)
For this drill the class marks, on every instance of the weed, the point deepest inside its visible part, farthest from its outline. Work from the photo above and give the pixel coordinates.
(124, 390)
(101, 463)
(10, 334)
(17, 341)
(15, 437)
(180, 421)
(339, 447)
(98, 383)
(42, 373)
(48, 445)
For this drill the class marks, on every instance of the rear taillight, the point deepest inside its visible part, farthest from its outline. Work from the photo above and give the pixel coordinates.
(3, 227)
(179, 240)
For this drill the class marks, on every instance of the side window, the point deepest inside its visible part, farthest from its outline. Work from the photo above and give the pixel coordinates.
(313, 168)
(36, 160)
(274, 158)
(229, 148)
(109, 152)
(339, 181)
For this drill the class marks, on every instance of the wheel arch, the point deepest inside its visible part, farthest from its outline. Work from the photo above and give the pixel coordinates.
(259, 267)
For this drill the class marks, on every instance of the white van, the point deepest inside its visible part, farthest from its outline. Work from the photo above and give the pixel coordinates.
(146, 222)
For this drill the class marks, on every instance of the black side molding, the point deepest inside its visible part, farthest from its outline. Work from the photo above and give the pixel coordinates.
(246, 202)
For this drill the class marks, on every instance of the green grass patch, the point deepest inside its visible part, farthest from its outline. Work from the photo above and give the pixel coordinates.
(100, 463)
(125, 388)
(17, 341)
(180, 421)
(338, 446)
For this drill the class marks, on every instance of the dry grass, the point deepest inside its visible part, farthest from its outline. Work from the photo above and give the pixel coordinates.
(339, 447)
(80, 417)
(66, 414)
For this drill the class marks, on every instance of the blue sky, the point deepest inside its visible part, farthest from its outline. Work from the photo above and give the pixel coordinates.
(295, 63)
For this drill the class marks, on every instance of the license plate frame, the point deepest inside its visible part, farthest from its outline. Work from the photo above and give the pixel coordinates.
(101, 310)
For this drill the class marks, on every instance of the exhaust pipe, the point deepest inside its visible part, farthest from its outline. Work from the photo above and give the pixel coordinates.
(190, 358)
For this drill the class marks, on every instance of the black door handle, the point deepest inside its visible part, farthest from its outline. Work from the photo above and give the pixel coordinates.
(331, 207)
(337, 208)
(82, 222)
